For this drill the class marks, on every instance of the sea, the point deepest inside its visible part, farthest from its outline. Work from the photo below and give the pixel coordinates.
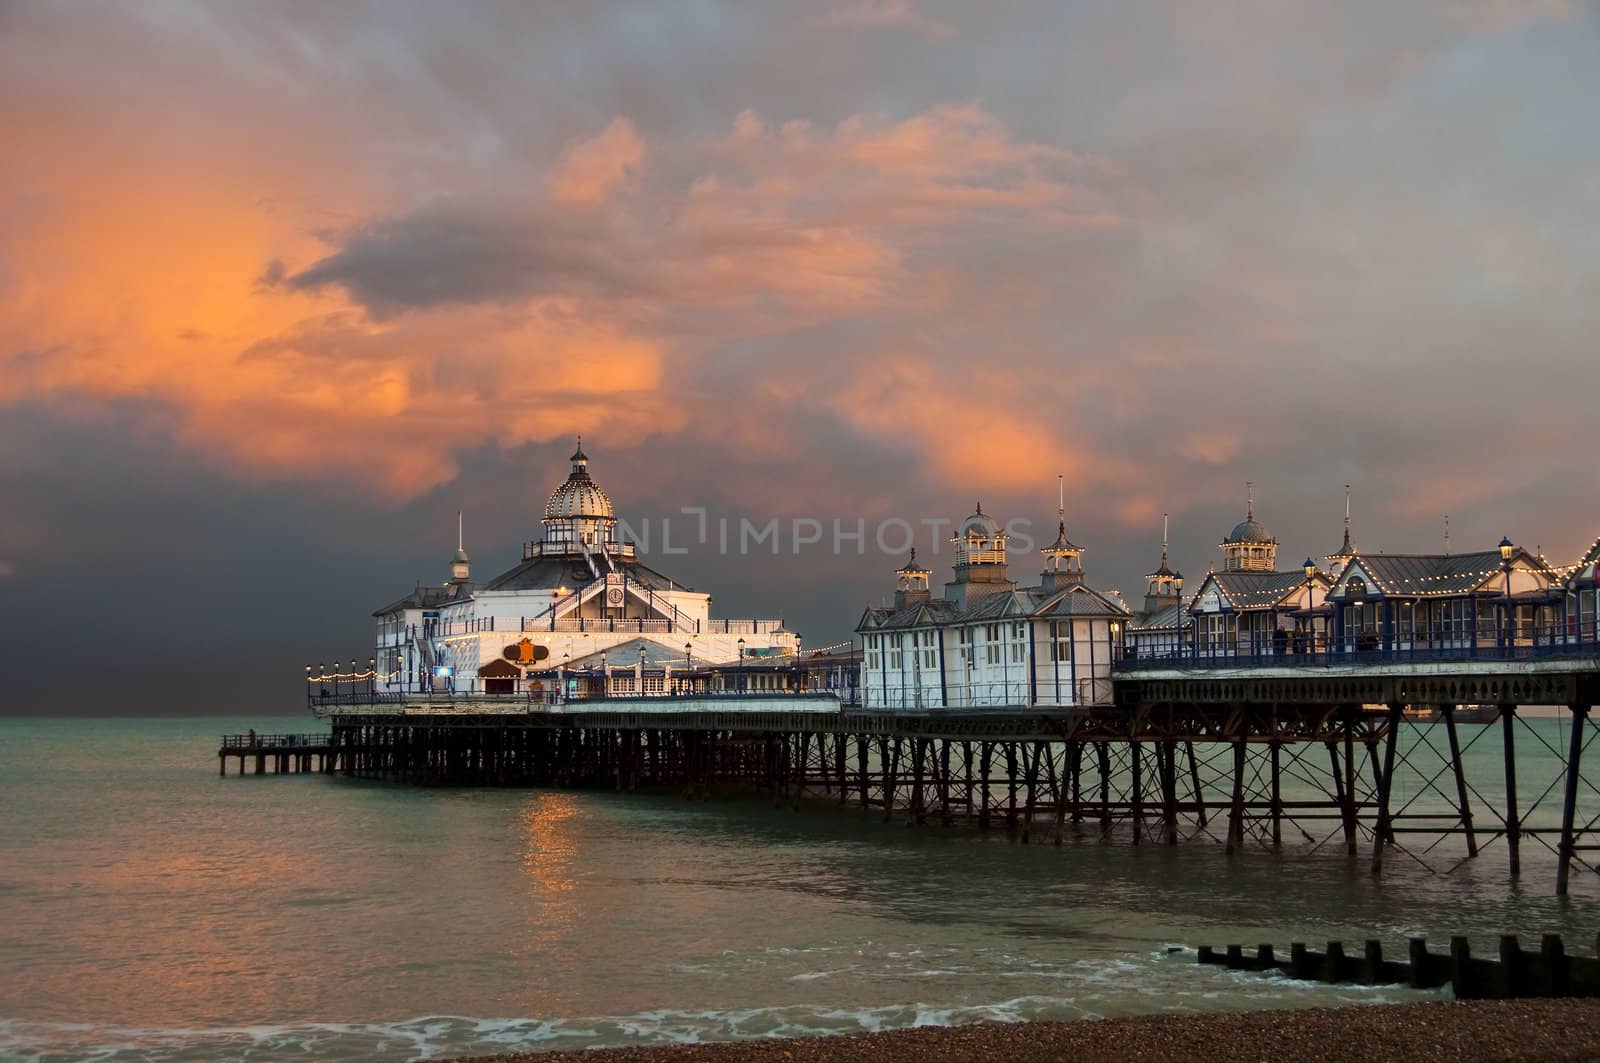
(152, 911)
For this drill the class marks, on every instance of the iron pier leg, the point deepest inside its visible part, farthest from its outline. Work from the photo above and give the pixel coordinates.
(1569, 803)
(1137, 793)
(1350, 782)
(1194, 784)
(1103, 756)
(1385, 787)
(1449, 712)
(1508, 718)
(1170, 788)
(1277, 798)
(1236, 811)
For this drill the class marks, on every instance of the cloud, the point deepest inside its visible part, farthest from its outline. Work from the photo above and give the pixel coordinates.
(7, 570)
(589, 170)
(887, 14)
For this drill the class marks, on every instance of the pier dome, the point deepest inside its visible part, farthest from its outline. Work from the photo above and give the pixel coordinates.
(1248, 531)
(579, 514)
(579, 495)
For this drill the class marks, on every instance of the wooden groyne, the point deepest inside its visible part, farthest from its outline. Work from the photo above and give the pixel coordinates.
(283, 753)
(1514, 972)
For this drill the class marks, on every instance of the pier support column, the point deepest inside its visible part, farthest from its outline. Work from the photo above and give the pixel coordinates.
(1136, 794)
(1386, 787)
(1277, 795)
(1449, 712)
(1236, 808)
(1569, 803)
(1508, 719)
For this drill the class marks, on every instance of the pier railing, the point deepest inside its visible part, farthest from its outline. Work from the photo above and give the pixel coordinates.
(274, 742)
(1316, 650)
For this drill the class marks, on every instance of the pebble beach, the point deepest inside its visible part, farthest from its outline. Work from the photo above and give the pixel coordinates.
(1443, 1030)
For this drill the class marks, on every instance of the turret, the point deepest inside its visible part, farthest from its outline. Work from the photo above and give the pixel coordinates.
(1249, 547)
(1163, 587)
(1063, 561)
(911, 583)
(460, 564)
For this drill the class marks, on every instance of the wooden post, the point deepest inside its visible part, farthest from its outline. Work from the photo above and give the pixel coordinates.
(1299, 962)
(1508, 715)
(1372, 962)
(1264, 958)
(1553, 958)
(1417, 949)
(1513, 975)
(1461, 981)
(1569, 803)
(1385, 787)
(1235, 957)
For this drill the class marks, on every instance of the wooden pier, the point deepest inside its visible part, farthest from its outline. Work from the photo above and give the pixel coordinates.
(1513, 972)
(283, 753)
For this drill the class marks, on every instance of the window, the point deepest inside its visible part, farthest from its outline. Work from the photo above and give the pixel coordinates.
(930, 653)
(1060, 640)
(1019, 643)
(895, 657)
(622, 684)
(655, 684)
(968, 656)
(991, 647)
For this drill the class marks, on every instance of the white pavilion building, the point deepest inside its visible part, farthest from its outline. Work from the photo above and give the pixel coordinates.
(988, 643)
(580, 602)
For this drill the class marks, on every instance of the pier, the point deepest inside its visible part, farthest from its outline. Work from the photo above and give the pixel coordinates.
(283, 753)
(1314, 757)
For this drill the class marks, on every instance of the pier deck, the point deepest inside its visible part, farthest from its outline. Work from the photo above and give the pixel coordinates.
(284, 753)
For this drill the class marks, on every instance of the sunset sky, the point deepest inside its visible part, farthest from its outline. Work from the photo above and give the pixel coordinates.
(285, 286)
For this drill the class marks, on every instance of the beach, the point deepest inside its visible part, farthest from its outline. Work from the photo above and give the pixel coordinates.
(1436, 1030)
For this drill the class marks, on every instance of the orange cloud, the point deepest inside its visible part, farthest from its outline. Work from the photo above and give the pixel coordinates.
(589, 170)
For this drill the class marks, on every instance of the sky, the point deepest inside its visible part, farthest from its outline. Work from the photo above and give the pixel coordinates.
(284, 287)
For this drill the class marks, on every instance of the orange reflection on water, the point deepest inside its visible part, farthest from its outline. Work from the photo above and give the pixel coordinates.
(548, 858)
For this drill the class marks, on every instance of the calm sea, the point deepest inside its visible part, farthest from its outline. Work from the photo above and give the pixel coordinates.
(150, 910)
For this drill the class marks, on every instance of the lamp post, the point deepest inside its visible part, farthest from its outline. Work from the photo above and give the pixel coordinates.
(741, 666)
(1177, 586)
(1310, 568)
(372, 677)
(1506, 549)
(561, 676)
(799, 659)
(688, 665)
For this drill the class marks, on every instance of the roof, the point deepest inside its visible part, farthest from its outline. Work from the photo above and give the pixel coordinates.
(1258, 590)
(548, 573)
(1590, 557)
(1167, 617)
(1432, 575)
(1248, 531)
(1075, 600)
(427, 598)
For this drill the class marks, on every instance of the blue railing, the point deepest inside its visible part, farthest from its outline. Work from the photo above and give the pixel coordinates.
(1297, 649)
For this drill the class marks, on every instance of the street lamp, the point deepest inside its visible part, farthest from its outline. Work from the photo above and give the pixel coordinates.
(1177, 587)
(1310, 569)
(741, 666)
(688, 665)
(1506, 549)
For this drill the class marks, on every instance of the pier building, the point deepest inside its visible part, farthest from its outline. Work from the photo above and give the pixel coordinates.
(579, 600)
(987, 642)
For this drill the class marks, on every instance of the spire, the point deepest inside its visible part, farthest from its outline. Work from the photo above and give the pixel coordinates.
(1346, 547)
(460, 564)
(1447, 535)
(1249, 500)
(1163, 540)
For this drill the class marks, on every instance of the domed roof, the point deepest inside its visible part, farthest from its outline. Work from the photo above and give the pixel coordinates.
(1248, 531)
(579, 496)
(460, 557)
(980, 522)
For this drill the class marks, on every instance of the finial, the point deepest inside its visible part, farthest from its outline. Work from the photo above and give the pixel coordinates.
(1249, 500)
(980, 508)
(461, 542)
(1061, 499)
(1447, 535)
(1163, 539)
(1347, 548)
